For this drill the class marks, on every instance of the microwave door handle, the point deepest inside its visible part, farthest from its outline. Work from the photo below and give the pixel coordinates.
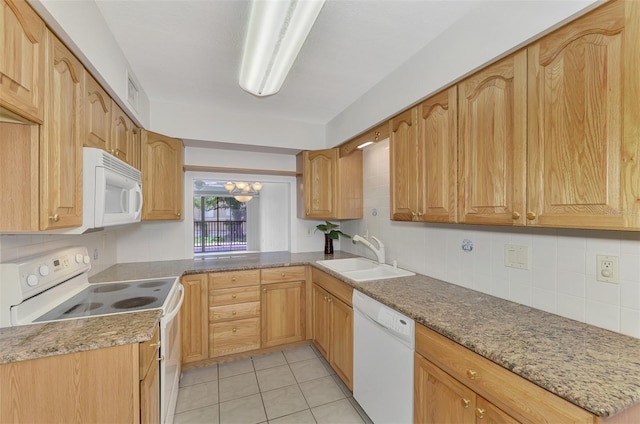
(123, 200)
(138, 193)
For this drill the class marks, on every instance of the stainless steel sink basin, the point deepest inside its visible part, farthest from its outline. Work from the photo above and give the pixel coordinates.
(361, 269)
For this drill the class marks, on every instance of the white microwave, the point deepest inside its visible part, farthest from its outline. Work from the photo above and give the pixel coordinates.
(112, 190)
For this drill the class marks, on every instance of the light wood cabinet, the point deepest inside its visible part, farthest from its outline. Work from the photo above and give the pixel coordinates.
(493, 138)
(122, 131)
(423, 160)
(97, 115)
(162, 177)
(454, 384)
(331, 184)
(101, 385)
(22, 60)
(234, 312)
(194, 319)
(283, 305)
(333, 323)
(62, 139)
(583, 122)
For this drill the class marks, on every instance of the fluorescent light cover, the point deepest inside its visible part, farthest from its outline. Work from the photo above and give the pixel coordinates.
(365, 144)
(275, 34)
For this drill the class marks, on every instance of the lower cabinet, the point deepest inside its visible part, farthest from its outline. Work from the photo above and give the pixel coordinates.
(454, 384)
(101, 385)
(283, 305)
(333, 323)
(194, 318)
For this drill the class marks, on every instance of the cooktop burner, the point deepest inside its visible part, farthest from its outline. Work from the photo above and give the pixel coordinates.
(109, 298)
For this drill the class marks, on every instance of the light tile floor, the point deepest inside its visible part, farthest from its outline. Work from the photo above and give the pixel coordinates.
(294, 386)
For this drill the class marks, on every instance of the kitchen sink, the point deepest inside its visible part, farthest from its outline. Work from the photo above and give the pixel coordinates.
(361, 269)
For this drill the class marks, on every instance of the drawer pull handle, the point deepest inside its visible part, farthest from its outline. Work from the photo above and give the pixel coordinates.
(233, 313)
(480, 413)
(472, 374)
(465, 402)
(233, 296)
(234, 330)
(233, 278)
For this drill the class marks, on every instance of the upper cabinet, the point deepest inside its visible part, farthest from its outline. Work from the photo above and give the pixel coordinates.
(584, 122)
(97, 116)
(423, 155)
(331, 184)
(492, 145)
(161, 177)
(122, 131)
(22, 60)
(61, 140)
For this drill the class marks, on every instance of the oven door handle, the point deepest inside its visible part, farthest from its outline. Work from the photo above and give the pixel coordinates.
(174, 312)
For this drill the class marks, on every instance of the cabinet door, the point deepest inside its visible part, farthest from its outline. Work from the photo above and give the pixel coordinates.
(321, 320)
(61, 146)
(121, 134)
(320, 183)
(195, 318)
(341, 357)
(22, 59)
(98, 115)
(439, 398)
(161, 177)
(282, 313)
(491, 414)
(405, 177)
(438, 157)
(583, 122)
(492, 150)
(150, 395)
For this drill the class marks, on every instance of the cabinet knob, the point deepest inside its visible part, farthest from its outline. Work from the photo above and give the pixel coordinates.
(472, 374)
(233, 330)
(233, 313)
(155, 345)
(531, 216)
(54, 218)
(329, 299)
(233, 278)
(264, 290)
(420, 214)
(282, 275)
(179, 214)
(233, 296)
(161, 358)
(515, 215)
(465, 402)
(480, 413)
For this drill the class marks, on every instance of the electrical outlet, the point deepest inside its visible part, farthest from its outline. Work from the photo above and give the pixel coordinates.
(607, 269)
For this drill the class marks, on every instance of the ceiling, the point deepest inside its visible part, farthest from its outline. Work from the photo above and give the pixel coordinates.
(188, 51)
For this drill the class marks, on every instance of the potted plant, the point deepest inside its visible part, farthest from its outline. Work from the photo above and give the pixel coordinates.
(331, 233)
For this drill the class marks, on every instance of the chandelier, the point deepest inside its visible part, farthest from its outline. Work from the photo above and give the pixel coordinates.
(243, 191)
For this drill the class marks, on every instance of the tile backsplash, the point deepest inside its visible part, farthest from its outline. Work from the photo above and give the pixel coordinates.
(561, 278)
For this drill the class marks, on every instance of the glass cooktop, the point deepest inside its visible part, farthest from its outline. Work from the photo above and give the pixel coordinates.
(111, 298)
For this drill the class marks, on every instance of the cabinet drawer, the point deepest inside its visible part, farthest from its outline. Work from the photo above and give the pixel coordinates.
(341, 290)
(220, 280)
(234, 336)
(234, 311)
(282, 274)
(148, 353)
(236, 295)
(513, 394)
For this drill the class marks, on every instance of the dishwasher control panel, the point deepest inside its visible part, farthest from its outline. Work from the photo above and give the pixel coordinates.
(394, 321)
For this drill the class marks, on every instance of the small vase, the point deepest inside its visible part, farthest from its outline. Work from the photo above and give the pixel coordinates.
(328, 245)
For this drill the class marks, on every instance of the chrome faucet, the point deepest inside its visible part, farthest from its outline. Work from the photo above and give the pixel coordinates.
(379, 251)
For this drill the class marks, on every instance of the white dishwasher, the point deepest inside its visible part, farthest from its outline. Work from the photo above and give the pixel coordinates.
(383, 346)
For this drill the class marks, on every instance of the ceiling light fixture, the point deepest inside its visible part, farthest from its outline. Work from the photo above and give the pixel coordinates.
(243, 191)
(275, 34)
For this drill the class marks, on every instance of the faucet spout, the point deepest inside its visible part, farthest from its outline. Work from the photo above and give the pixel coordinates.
(379, 251)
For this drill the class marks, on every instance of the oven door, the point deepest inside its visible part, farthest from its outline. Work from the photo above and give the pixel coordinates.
(170, 354)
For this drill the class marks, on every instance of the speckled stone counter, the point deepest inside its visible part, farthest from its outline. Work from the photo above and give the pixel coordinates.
(57, 338)
(593, 368)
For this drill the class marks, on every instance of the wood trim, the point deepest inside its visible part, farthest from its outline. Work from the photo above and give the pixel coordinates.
(379, 133)
(337, 288)
(199, 168)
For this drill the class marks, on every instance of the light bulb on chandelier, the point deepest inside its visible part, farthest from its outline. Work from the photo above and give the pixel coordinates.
(242, 190)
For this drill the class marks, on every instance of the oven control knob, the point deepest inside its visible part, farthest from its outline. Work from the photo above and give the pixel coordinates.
(86, 259)
(78, 258)
(44, 270)
(32, 280)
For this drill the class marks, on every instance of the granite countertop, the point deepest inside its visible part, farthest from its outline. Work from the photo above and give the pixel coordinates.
(595, 369)
(76, 335)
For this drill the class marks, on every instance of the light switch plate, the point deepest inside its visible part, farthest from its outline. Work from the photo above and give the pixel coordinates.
(516, 256)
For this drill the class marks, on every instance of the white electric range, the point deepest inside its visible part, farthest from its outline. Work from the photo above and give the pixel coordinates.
(54, 286)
